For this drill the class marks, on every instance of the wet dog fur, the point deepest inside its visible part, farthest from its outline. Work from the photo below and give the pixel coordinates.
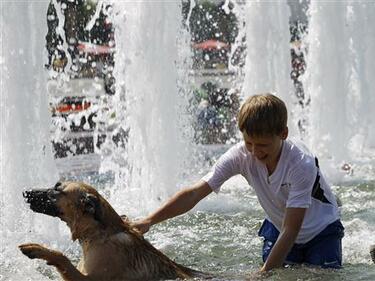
(112, 249)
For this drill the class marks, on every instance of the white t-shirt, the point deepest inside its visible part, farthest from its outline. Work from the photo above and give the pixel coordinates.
(291, 185)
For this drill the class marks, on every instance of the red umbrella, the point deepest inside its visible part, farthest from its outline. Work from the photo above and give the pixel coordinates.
(211, 44)
(94, 48)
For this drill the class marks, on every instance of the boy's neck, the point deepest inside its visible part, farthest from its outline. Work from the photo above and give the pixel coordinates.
(271, 167)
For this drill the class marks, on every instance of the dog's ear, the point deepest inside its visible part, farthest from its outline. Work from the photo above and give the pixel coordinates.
(91, 205)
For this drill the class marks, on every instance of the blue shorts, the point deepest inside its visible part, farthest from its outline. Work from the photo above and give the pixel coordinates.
(323, 250)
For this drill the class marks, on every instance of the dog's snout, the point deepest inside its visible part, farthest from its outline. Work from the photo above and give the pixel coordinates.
(42, 201)
(27, 194)
(34, 195)
(39, 195)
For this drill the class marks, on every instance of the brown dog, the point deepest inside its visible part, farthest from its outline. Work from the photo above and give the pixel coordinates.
(112, 250)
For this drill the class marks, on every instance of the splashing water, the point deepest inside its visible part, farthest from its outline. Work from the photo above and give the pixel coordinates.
(152, 104)
(267, 67)
(152, 64)
(339, 81)
(26, 157)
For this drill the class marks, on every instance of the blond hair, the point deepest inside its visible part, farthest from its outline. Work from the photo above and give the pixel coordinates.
(263, 115)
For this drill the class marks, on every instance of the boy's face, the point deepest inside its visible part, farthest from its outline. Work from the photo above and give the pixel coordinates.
(265, 148)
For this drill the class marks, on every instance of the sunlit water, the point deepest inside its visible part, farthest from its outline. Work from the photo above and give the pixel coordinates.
(225, 238)
(220, 234)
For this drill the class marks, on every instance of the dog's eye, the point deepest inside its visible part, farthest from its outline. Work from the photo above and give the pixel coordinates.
(53, 194)
(58, 187)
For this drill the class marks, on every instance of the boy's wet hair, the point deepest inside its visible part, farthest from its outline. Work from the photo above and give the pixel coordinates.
(263, 115)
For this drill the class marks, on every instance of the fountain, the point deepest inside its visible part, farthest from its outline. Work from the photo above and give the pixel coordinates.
(152, 63)
(339, 81)
(26, 157)
(152, 103)
(267, 67)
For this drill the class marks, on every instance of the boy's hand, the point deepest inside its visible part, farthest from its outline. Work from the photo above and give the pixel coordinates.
(141, 225)
(258, 275)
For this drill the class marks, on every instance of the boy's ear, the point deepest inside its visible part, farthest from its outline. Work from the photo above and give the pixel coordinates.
(284, 133)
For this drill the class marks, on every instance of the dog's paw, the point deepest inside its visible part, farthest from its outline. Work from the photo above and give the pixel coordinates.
(36, 251)
(33, 251)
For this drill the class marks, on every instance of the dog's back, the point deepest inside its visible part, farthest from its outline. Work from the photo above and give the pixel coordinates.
(142, 261)
(139, 257)
(131, 257)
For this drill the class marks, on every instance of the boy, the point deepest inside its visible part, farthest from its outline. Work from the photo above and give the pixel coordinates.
(302, 224)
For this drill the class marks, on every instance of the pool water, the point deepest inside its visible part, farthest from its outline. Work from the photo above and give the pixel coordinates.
(224, 240)
(219, 235)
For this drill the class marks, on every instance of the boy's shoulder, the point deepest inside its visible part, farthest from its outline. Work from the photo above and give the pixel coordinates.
(237, 153)
(297, 155)
(239, 149)
(296, 146)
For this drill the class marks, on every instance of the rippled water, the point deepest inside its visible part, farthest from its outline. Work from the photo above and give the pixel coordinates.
(220, 235)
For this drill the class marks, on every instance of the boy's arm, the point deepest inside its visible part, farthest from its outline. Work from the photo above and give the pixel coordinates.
(178, 204)
(292, 224)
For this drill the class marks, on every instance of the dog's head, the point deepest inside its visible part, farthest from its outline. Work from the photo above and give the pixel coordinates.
(76, 203)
